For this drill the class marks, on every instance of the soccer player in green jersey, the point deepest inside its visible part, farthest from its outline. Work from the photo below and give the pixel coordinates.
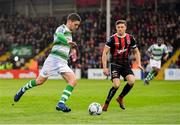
(156, 52)
(56, 62)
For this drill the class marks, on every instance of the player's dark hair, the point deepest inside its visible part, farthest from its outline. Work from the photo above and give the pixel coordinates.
(159, 39)
(74, 17)
(121, 22)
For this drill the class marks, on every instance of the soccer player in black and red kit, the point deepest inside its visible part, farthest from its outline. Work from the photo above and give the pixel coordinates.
(119, 45)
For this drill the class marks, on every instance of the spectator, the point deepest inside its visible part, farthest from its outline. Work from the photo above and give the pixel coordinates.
(173, 65)
(170, 49)
(144, 24)
(2, 66)
(178, 61)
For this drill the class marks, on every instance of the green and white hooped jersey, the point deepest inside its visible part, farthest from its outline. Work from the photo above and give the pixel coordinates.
(157, 51)
(61, 48)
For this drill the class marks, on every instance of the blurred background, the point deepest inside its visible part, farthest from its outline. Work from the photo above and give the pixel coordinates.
(27, 28)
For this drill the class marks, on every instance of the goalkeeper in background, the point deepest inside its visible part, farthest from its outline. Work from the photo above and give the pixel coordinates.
(156, 52)
(56, 62)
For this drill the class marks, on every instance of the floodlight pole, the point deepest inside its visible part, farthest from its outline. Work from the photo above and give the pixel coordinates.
(108, 17)
(26, 8)
(127, 7)
(156, 6)
(50, 7)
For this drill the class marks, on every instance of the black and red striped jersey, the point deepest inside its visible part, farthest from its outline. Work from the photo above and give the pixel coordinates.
(120, 48)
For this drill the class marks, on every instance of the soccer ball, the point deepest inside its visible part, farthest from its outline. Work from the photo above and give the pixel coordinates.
(95, 108)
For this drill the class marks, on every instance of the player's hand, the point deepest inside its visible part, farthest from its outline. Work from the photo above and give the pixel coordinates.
(106, 71)
(165, 58)
(141, 68)
(151, 56)
(72, 44)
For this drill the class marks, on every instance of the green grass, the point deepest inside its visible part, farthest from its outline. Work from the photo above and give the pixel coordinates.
(157, 103)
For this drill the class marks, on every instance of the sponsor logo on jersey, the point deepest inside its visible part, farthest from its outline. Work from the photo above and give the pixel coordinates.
(121, 51)
(128, 41)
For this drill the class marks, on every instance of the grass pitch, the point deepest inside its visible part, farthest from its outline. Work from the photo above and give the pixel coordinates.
(157, 103)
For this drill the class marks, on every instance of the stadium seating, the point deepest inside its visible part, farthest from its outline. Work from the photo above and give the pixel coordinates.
(91, 36)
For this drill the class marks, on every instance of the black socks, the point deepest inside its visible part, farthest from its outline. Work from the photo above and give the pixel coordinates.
(125, 90)
(112, 92)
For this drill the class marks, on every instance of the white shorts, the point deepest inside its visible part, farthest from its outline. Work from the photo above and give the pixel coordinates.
(155, 63)
(54, 66)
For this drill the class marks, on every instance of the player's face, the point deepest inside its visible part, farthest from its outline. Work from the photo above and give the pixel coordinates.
(121, 28)
(159, 41)
(74, 25)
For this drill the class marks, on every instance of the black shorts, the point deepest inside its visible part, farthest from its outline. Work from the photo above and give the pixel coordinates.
(120, 70)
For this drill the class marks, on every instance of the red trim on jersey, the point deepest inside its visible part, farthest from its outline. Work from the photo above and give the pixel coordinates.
(116, 44)
(128, 40)
(122, 46)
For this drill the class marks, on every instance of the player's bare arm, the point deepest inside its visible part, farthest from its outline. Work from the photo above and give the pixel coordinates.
(149, 53)
(104, 60)
(138, 58)
(165, 57)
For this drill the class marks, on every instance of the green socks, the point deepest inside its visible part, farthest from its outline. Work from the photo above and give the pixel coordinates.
(66, 93)
(29, 85)
(151, 75)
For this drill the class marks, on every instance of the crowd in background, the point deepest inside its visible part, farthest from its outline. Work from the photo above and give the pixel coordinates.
(145, 26)
(18, 30)
(91, 36)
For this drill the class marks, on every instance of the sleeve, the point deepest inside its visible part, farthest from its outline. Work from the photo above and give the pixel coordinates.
(59, 37)
(60, 30)
(133, 43)
(165, 49)
(109, 42)
(150, 48)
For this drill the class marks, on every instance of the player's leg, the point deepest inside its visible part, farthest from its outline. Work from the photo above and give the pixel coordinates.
(151, 75)
(71, 80)
(48, 69)
(154, 71)
(112, 92)
(129, 76)
(115, 74)
(32, 83)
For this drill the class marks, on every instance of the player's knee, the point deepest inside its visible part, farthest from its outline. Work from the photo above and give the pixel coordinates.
(131, 81)
(116, 83)
(116, 86)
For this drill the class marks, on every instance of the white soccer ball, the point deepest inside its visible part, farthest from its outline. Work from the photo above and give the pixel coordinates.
(95, 108)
